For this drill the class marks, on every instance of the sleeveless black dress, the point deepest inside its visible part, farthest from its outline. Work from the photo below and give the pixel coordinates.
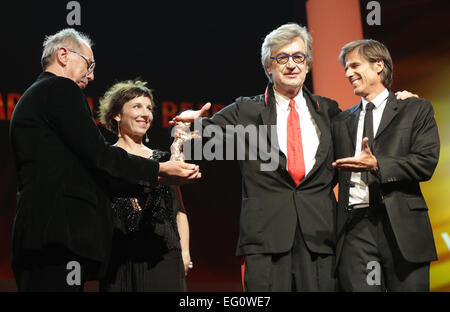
(146, 252)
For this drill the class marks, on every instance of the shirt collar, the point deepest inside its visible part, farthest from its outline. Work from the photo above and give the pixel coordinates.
(283, 101)
(378, 100)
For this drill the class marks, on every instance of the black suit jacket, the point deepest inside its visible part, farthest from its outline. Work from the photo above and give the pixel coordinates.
(406, 146)
(67, 172)
(272, 204)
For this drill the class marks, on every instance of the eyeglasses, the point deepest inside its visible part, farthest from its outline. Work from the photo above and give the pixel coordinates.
(283, 58)
(90, 62)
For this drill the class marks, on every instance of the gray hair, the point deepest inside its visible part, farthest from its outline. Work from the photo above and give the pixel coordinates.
(281, 36)
(372, 51)
(68, 37)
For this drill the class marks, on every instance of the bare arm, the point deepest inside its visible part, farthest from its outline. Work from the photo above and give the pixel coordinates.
(183, 230)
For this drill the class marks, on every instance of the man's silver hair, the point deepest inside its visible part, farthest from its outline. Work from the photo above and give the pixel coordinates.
(281, 36)
(67, 37)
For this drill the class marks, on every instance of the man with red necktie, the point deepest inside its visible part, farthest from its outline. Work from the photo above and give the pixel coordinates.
(286, 237)
(287, 225)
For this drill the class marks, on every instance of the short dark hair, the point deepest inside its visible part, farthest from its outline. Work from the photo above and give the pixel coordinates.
(372, 51)
(120, 93)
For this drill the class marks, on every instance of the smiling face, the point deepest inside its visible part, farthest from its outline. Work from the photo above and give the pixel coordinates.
(364, 76)
(288, 79)
(136, 117)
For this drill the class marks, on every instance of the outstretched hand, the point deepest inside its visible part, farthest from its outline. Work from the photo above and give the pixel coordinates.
(191, 115)
(366, 161)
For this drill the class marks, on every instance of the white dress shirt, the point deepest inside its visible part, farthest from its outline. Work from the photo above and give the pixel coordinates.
(359, 192)
(308, 127)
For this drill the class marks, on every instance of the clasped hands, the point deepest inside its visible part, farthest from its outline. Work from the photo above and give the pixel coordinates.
(178, 172)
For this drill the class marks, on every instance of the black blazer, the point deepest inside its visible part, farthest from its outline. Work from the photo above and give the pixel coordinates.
(272, 204)
(406, 146)
(67, 172)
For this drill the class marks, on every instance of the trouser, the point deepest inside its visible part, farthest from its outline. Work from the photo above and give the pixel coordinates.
(53, 268)
(296, 270)
(371, 260)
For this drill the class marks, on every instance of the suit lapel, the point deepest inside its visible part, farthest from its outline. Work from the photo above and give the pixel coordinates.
(269, 114)
(390, 111)
(268, 117)
(325, 136)
(352, 122)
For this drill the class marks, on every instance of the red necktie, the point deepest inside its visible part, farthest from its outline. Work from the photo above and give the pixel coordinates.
(296, 163)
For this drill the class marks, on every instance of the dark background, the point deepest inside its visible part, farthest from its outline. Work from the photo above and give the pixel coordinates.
(188, 51)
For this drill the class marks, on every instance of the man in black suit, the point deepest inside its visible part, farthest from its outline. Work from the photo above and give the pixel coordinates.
(384, 147)
(287, 223)
(67, 173)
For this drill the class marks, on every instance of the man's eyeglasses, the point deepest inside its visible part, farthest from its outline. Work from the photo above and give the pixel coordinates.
(90, 62)
(283, 58)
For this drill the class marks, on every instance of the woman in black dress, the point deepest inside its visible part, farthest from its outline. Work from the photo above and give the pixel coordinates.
(151, 236)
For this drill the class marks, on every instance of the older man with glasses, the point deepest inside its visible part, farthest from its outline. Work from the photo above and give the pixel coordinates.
(287, 234)
(67, 172)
